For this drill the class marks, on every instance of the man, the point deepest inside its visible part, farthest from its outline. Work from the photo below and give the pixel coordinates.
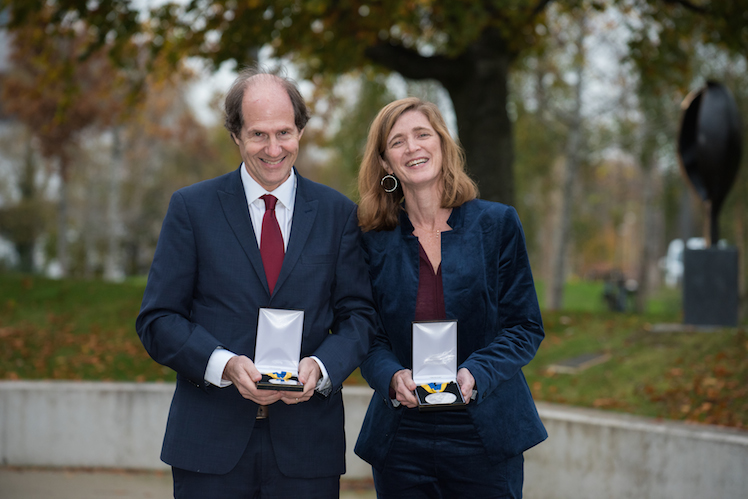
(213, 270)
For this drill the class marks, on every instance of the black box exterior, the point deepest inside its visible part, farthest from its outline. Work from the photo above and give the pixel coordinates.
(452, 388)
(268, 383)
(710, 287)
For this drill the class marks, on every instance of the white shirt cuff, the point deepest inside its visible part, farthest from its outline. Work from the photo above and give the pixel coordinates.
(216, 364)
(324, 385)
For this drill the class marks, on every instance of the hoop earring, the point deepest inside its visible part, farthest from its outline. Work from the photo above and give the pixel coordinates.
(389, 177)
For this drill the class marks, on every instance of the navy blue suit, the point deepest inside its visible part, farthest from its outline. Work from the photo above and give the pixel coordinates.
(204, 291)
(489, 290)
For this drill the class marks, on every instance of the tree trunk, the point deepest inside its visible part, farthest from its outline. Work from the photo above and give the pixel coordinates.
(649, 241)
(113, 263)
(62, 220)
(555, 297)
(484, 128)
(563, 230)
(25, 246)
(477, 84)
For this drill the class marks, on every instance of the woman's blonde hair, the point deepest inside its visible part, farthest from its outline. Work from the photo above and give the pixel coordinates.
(379, 210)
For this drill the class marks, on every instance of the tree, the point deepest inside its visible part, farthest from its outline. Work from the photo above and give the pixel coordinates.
(24, 214)
(166, 148)
(348, 142)
(466, 45)
(572, 153)
(62, 83)
(551, 83)
(41, 91)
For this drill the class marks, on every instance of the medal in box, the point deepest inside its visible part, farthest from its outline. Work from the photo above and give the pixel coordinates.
(435, 365)
(278, 348)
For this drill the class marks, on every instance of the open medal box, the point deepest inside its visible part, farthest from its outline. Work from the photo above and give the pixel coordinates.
(435, 366)
(278, 348)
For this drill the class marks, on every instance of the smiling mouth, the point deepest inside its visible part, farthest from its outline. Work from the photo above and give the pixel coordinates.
(416, 162)
(273, 163)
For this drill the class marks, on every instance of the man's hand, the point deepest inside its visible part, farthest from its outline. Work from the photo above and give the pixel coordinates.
(242, 372)
(467, 383)
(309, 374)
(404, 386)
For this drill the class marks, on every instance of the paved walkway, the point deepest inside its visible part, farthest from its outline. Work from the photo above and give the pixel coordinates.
(28, 483)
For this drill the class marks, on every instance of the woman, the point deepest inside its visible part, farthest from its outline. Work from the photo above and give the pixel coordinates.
(436, 252)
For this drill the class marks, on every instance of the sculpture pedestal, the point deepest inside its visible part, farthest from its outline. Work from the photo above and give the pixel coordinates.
(710, 287)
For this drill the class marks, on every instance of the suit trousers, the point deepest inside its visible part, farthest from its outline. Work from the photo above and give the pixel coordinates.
(256, 476)
(440, 455)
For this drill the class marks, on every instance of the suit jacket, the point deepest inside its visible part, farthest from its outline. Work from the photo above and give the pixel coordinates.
(205, 288)
(489, 290)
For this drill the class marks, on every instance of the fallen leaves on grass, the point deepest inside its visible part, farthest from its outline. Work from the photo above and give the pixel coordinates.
(609, 403)
(59, 351)
(713, 390)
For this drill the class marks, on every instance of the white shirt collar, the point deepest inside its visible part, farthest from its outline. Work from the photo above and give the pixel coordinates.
(286, 192)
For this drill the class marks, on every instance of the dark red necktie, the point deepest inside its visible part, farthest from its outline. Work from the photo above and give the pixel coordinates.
(271, 242)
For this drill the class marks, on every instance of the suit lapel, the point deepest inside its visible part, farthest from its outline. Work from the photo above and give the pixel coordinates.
(305, 212)
(234, 204)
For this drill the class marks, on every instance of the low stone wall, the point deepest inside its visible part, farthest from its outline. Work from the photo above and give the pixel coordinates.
(589, 453)
(603, 455)
(110, 425)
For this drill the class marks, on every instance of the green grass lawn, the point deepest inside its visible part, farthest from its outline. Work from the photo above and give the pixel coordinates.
(84, 330)
(72, 330)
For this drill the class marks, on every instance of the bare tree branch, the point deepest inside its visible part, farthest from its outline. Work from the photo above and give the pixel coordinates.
(689, 5)
(413, 65)
(542, 4)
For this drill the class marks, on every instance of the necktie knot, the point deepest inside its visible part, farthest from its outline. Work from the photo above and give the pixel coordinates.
(270, 201)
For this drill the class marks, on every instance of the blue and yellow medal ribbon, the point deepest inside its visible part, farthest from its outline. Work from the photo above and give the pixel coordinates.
(435, 387)
(282, 375)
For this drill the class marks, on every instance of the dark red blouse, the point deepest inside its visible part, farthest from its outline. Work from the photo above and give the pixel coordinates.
(430, 298)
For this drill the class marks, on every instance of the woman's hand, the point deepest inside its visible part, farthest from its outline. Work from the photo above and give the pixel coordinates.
(404, 386)
(466, 382)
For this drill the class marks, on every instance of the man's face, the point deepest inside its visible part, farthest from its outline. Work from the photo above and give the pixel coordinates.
(269, 140)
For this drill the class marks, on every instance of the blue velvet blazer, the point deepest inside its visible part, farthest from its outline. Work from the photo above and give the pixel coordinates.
(489, 290)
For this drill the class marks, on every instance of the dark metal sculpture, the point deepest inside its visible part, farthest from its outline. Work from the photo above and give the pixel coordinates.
(709, 146)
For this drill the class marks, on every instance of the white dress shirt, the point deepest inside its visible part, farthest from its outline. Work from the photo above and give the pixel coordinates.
(286, 195)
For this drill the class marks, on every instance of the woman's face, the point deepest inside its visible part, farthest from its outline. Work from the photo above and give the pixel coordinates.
(413, 152)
